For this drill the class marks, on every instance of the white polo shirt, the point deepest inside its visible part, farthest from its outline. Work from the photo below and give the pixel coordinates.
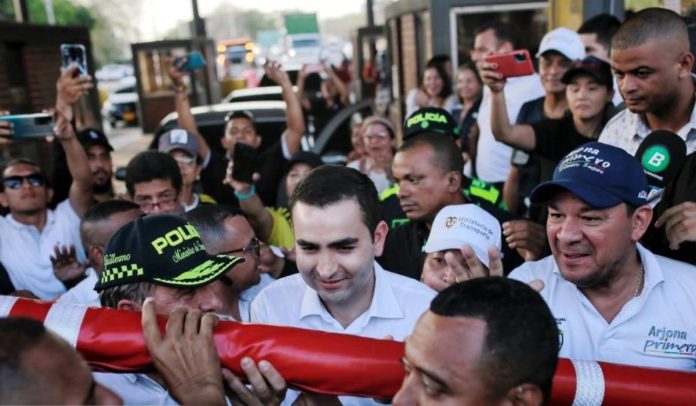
(83, 293)
(656, 329)
(248, 295)
(26, 252)
(493, 157)
(396, 305)
(135, 389)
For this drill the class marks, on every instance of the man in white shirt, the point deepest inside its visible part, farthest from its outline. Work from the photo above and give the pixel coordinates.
(613, 300)
(100, 222)
(340, 287)
(493, 157)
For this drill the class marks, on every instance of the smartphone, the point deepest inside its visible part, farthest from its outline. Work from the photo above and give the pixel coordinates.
(194, 61)
(74, 54)
(244, 161)
(30, 125)
(513, 64)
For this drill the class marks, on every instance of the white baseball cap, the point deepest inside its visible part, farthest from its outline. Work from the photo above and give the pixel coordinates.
(564, 41)
(462, 224)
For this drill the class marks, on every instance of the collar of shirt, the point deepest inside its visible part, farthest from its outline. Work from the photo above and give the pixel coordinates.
(384, 304)
(50, 219)
(642, 129)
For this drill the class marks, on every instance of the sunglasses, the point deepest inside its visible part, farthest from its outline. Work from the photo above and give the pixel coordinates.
(15, 182)
(253, 248)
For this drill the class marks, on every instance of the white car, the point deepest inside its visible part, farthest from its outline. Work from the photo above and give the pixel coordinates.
(122, 103)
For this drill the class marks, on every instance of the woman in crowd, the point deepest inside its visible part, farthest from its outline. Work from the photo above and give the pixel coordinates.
(469, 90)
(435, 90)
(379, 139)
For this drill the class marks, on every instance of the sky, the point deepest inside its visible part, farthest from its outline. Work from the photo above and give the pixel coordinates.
(160, 15)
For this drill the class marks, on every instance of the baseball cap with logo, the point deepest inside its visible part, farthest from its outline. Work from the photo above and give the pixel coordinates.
(601, 175)
(91, 136)
(164, 250)
(179, 139)
(461, 224)
(430, 120)
(564, 41)
(593, 66)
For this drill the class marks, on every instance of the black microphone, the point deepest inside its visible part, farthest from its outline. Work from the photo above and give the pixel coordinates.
(662, 154)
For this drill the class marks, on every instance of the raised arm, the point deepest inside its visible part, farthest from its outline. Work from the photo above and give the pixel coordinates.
(518, 136)
(80, 195)
(293, 112)
(340, 86)
(250, 203)
(301, 75)
(182, 104)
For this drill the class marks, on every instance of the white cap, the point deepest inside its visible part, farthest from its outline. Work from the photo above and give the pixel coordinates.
(564, 41)
(462, 224)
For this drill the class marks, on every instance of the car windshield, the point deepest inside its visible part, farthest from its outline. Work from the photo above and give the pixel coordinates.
(129, 89)
(305, 43)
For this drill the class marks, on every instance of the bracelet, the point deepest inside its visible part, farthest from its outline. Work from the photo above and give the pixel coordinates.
(247, 195)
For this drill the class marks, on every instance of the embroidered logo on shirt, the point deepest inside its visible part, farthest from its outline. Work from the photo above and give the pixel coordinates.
(668, 342)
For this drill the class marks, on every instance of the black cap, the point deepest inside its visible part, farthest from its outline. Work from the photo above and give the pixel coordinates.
(593, 66)
(430, 120)
(305, 157)
(92, 136)
(164, 250)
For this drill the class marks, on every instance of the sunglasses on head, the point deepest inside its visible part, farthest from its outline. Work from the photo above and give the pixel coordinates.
(15, 182)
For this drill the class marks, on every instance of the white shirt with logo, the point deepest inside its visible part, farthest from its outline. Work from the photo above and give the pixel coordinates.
(25, 251)
(655, 329)
(396, 305)
(493, 158)
(83, 293)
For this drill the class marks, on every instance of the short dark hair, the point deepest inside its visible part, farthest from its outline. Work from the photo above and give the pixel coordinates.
(102, 211)
(137, 292)
(446, 79)
(649, 24)
(209, 220)
(150, 165)
(604, 26)
(521, 344)
(329, 184)
(447, 155)
(17, 337)
(504, 32)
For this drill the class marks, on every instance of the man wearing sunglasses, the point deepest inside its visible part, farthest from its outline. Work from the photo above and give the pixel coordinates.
(30, 231)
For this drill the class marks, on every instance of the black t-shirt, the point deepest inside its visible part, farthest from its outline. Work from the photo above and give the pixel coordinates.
(403, 249)
(271, 166)
(556, 138)
(6, 286)
(322, 114)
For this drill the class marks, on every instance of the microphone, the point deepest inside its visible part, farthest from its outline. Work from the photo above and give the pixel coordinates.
(662, 154)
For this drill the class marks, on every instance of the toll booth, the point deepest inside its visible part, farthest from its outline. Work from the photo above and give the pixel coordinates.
(30, 61)
(155, 91)
(418, 29)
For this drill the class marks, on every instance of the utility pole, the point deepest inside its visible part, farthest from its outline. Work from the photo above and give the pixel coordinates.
(21, 11)
(198, 29)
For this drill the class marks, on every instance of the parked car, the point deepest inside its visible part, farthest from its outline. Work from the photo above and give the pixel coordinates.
(113, 72)
(122, 103)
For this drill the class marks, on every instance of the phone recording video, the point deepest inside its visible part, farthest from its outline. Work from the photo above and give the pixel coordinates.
(513, 64)
(74, 54)
(244, 160)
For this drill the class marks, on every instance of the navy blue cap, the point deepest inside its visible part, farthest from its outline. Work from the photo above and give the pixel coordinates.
(599, 174)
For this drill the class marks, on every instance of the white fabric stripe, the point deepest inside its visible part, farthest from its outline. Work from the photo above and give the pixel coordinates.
(6, 305)
(65, 320)
(589, 387)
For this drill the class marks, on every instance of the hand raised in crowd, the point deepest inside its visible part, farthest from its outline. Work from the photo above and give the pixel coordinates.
(5, 128)
(276, 73)
(268, 387)
(490, 77)
(62, 129)
(465, 264)
(66, 267)
(527, 237)
(176, 75)
(679, 223)
(238, 186)
(186, 356)
(69, 89)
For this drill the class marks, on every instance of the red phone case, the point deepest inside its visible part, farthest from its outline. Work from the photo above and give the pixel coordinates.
(513, 64)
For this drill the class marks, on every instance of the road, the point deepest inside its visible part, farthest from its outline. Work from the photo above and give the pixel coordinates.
(127, 142)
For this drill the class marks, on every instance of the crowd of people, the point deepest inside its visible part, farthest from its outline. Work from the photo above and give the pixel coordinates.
(518, 220)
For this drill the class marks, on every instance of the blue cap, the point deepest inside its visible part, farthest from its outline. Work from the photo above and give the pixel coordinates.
(599, 174)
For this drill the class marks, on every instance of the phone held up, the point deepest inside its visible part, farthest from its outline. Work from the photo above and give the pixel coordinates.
(513, 64)
(194, 61)
(74, 54)
(25, 126)
(244, 160)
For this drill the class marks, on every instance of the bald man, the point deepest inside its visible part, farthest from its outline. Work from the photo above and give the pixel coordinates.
(652, 65)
